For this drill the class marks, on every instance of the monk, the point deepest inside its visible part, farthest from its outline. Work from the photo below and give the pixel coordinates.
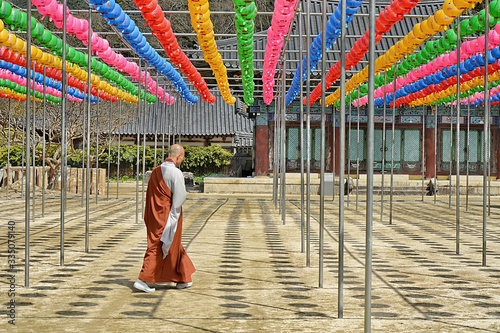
(165, 259)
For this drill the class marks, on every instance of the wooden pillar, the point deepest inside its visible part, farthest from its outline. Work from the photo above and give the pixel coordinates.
(430, 153)
(261, 149)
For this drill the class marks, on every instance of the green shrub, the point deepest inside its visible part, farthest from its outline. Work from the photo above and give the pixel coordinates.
(198, 160)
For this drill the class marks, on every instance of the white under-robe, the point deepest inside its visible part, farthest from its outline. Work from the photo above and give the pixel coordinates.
(175, 181)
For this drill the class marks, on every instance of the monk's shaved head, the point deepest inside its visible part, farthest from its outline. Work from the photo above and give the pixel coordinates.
(176, 154)
(175, 150)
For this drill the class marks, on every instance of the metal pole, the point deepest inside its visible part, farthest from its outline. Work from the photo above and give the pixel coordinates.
(63, 134)
(323, 152)
(436, 149)
(357, 155)
(301, 70)
(179, 123)
(169, 124)
(393, 130)
(383, 150)
(87, 170)
(489, 168)
(457, 143)
(28, 157)
(109, 146)
(97, 152)
(277, 151)
(275, 156)
(138, 144)
(486, 129)
(163, 117)
(283, 146)
(8, 158)
(343, 19)
(156, 116)
(144, 135)
(451, 147)
(308, 135)
(349, 149)
(334, 114)
(423, 152)
(118, 157)
(34, 142)
(467, 154)
(174, 124)
(23, 155)
(84, 124)
(369, 168)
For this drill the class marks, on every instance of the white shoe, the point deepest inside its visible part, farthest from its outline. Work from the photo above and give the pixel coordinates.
(143, 286)
(180, 285)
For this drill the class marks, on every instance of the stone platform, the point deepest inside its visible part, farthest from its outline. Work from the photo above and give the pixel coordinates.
(251, 273)
(402, 184)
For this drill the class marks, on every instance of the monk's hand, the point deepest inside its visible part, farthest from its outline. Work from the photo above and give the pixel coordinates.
(164, 249)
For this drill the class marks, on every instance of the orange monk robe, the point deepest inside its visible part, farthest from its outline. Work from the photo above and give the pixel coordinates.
(176, 267)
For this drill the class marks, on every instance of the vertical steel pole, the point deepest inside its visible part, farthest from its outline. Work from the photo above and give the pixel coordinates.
(109, 146)
(63, 133)
(349, 148)
(28, 157)
(423, 152)
(334, 125)
(8, 159)
(486, 130)
(436, 149)
(279, 190)
(383, 150)
(308, 135)
(343, 29)
(87, 170)
(283, 146)
(301, 70)
(275, 155)
(155, 119)
(84, 124)
(138, 144)
(174, 124)
(23, 157)
(32, 75)
(369, 169)
(357, 154)
(457, 143)
(97, 152)
(451, 148)
(169, 124)
(467, 154)
(164, 118)
(323, 148)
(144, 136)
(393, 130)
(179, 123)
(118, 146)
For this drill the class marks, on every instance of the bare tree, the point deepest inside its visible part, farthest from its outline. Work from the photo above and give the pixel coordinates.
(75, 115)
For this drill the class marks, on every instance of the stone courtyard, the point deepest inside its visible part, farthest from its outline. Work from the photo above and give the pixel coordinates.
(251, 273)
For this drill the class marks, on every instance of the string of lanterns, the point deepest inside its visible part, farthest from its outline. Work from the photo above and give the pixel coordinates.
(200, 20)
(80, 27)
(429, 27)
(153, 14)
(431, 60)
(284, 11)
(245, 12)
(332, 33)
(116, 17)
